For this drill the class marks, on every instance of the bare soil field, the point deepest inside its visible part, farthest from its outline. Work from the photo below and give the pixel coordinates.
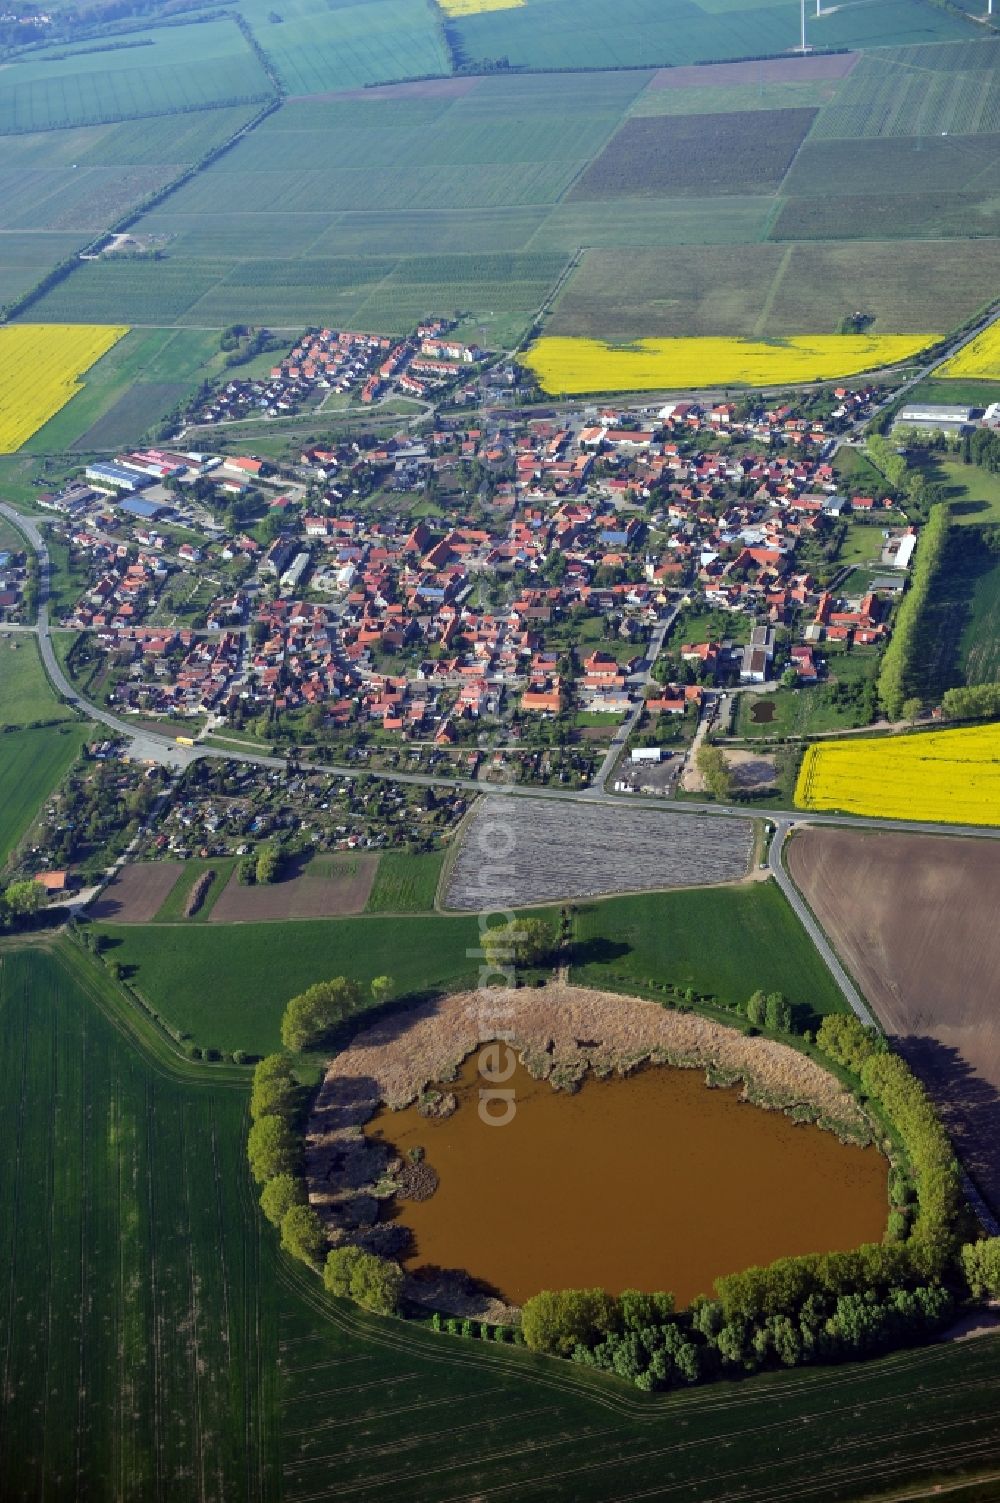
(325, 887)
(524, 851)
(914, 918)
(137, 893)
(750, 769)
(742, 152)
(767, 70)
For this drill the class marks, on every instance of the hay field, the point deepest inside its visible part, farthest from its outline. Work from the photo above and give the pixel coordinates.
(913, 918)
(40, 366)
(574, 851)
(576, 366)
(949, 777)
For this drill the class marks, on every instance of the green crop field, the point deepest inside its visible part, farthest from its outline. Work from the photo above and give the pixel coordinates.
(914, 91)
(979, 648)
(135, 383)
(773, 290)
(316, 46)
(572, 33)
(739, 152)
(227, 984)
(723, 942)
(155, 1343)
(32, 763)
(25, 692)
(404, 883)
(960, 626)
(166, 69)
(61, 188)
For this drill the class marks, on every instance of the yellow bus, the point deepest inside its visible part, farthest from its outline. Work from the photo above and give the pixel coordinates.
(184, 740)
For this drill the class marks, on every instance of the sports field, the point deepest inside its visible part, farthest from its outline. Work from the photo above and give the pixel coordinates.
(189, 1359)
(951, 777)
(40, 367)
(573, 366)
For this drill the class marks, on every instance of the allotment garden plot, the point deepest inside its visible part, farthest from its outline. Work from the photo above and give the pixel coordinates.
(523, 851)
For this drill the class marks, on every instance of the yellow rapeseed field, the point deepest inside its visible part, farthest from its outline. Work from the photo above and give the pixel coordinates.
(980, 358)
(945, 776)
(39, 367)
(572, 366)
(473, 7)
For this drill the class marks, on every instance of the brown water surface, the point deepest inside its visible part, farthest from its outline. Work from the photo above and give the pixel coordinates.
(650, 1182)
(762, 712)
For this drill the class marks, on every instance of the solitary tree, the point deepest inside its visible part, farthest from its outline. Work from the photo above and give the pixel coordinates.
(523, 942)
(778, 1013)
(382, 988)
(757, 1008)
(310, 1016)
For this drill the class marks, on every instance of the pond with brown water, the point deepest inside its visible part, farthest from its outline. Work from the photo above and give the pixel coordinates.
(763, 711)
(651, 1181)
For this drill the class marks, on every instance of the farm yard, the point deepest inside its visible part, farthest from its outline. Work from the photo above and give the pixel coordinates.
(519, 851)
(165, 1292)
(913, 918)
(575, 366)
(950, 777)
(40, 367)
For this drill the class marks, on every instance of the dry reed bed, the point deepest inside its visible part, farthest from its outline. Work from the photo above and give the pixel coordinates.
(560, 1032)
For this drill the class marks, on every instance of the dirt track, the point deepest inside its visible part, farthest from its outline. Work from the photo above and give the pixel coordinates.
(916, 919)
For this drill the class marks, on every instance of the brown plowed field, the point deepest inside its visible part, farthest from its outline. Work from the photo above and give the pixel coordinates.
(916, 919)
(138, 891)
(767, 70)
(325, 887)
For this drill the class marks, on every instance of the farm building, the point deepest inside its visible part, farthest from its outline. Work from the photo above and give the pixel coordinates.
(118, 477)
(935, 418)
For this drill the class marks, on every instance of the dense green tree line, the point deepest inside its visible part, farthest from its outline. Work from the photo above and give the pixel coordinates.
(898, 678)
(640, 1338)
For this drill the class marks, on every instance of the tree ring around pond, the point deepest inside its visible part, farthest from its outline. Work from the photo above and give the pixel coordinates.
(646, 1182)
